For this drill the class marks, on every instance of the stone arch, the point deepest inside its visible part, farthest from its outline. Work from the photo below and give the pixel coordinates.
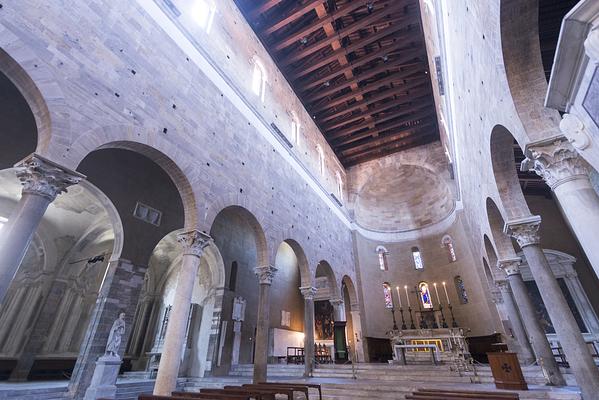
(503, 244)
(323, 268)
(504, 170)
(36, 82)
(259, 235)
(302, 262)
(352, 292)
(524, 67)
(124, 137)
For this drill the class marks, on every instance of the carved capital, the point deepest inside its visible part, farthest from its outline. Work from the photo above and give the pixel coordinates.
(591, 46)
(510, 267)
(265, 274)
(336, 303)
(525, 230)
(556, 160)
(308, 292)
(194, 242)
(45, 178)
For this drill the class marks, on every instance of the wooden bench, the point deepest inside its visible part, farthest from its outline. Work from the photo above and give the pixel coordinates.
(447, 394)
(298, 385)
(216, 394)
(242, 391)
(155, 397)
(268, 389)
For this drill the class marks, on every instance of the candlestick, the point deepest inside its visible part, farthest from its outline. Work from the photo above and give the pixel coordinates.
(412, 326)
(437, 292)
(407, 295)
(403, 321)
(446, 295)
(398, 296)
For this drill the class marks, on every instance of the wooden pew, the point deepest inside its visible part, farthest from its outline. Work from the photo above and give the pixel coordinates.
(307, 385)
(239, 390)
(447, 394)
(216, 394)
(270, 389)
(154, 397)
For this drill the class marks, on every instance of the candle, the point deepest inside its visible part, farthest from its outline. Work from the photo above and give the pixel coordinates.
(407, 296)
(446, 295)
(437, 292)
(398, 296)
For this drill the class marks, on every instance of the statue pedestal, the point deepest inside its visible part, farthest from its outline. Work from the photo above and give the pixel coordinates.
(103, 383)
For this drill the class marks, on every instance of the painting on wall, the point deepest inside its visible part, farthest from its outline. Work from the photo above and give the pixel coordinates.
(323, 319)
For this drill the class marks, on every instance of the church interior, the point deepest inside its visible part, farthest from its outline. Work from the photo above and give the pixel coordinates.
(332, 199)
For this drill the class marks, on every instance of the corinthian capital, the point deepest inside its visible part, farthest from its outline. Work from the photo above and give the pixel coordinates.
(555, 160)
(524, 230)
(336, 302)
(194, 242)
(265, 274)
(45, 178)
(510, 266)
(308, 292)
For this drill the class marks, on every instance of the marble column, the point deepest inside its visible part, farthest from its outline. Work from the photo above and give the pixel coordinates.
(356, 320)
(562, 168)
(526, 232)
(339, 309)
(42, 181)
(308, 293)
(193, 242)
(536, 335)
(265, 275)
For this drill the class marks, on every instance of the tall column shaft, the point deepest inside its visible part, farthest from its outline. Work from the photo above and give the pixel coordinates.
(562, 168)
(193, 243)
(308, 293)
(525, 231)
(265, 276)
(42, 181)
(526, 352)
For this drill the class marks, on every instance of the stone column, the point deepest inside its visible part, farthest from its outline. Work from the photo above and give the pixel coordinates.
(308, 293)
(357, 325)
(339, 337)
(265, 275)
(567, 174)
(526, 232)
(42, 181)
(536, 335)
(339, 307)
(193, 242)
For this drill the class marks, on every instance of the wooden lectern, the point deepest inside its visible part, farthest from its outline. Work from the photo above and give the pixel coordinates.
(506, 371)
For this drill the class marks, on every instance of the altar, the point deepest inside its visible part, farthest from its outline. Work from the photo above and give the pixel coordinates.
(440, 345)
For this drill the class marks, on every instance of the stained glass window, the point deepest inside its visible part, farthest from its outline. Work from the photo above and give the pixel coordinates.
(461, 289)
(382, 254)
(425, 295)
(388, 295)
(448, 245)
(203, 14)
(418, 264)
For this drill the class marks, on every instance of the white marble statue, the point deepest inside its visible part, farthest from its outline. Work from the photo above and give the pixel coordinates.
(116, 333)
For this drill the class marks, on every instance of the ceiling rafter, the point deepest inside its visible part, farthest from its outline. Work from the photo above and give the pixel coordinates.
(296, 13)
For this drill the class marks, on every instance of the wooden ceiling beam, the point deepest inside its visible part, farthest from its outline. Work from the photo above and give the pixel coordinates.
(350, 142)
(392, 79)
(381, 96)
(264, 7)
(365, 41)
(397, 137)
(404, 59)
(379, 120)
(380, 109)
(319, 24)
(387, 150)
(384, 67)
(295, 14)
(375, 17)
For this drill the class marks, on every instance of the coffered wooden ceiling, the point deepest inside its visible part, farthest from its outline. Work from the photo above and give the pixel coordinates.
(359, 67)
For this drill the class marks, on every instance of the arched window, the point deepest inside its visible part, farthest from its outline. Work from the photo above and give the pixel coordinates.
(339, 185)
(425, 295)
(259, 79)
(461, 289)
(2, 222)
(447, 243)
(233, 276)
(418, 264)
(203, 13)
(388, 295)
(295, 128)
(320, 159)
(382, 254)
